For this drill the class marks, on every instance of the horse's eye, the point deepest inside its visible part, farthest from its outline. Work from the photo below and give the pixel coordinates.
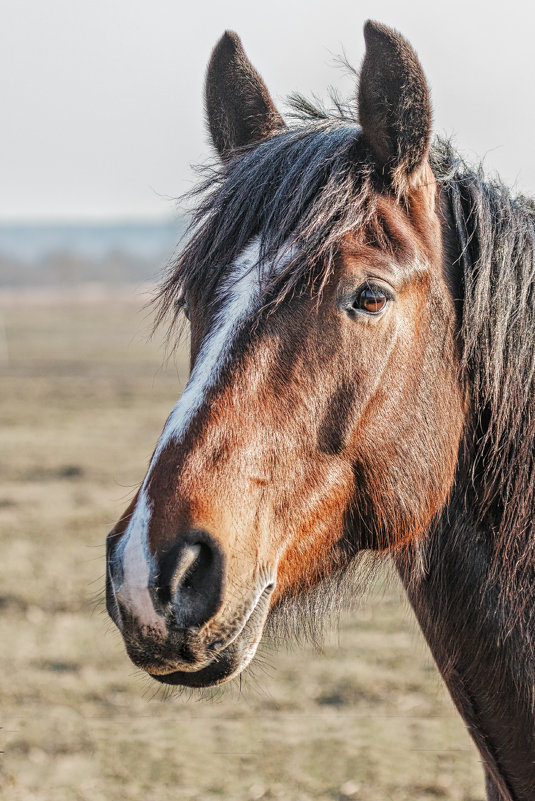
(371, 300)
(185, 309)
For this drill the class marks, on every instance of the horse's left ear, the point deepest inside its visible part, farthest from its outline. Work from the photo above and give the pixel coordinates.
(394, 105)
(239, 108)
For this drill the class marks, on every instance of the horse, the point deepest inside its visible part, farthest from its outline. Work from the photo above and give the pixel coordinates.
(362, 314)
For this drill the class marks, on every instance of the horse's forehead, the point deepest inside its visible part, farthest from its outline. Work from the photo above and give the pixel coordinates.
(244, 285)
(390, 240)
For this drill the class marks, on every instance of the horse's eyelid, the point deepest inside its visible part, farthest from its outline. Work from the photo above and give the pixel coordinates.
(386, 291)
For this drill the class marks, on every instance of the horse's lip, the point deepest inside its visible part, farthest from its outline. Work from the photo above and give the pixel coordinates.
(217, 672)
(233, 657)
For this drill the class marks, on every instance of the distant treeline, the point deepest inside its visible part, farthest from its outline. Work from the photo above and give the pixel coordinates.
(70, 254)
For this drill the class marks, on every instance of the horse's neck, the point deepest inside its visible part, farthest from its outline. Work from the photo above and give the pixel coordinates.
(484, 652)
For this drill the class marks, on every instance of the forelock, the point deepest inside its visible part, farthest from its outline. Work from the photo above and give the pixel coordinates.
(300, 192)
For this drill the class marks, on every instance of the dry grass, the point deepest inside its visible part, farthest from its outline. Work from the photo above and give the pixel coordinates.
(84, 397)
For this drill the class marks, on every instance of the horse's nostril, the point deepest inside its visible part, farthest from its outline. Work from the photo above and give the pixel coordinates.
(191, 579)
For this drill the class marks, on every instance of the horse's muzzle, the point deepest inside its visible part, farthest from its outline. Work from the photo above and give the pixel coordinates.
(179, 630)
(230, 659)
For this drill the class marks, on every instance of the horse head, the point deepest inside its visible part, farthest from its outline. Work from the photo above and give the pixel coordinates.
(324, 410)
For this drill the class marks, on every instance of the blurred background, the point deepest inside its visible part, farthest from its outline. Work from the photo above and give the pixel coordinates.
(102, 118)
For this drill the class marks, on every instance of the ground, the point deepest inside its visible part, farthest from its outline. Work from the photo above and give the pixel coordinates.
(84, 397)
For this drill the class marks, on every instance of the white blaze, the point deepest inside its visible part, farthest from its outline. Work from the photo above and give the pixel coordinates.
(240, 292)
(133, 592)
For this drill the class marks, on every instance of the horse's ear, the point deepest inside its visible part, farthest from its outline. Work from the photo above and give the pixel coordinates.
(394, 105)
(238, 106)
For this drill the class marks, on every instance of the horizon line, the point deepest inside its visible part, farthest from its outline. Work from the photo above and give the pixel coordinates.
(126, 219)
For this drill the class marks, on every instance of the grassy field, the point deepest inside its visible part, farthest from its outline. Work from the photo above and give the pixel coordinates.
(84, 397)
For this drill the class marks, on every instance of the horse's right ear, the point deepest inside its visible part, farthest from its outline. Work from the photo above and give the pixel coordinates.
(238, 106)
(394, 105)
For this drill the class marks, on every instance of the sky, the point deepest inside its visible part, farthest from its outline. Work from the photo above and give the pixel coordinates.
(101, 101)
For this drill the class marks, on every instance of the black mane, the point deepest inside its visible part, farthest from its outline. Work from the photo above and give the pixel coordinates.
(495, 238)
(311, 184)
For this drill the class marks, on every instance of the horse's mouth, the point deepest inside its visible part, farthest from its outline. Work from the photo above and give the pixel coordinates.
(232, 659)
